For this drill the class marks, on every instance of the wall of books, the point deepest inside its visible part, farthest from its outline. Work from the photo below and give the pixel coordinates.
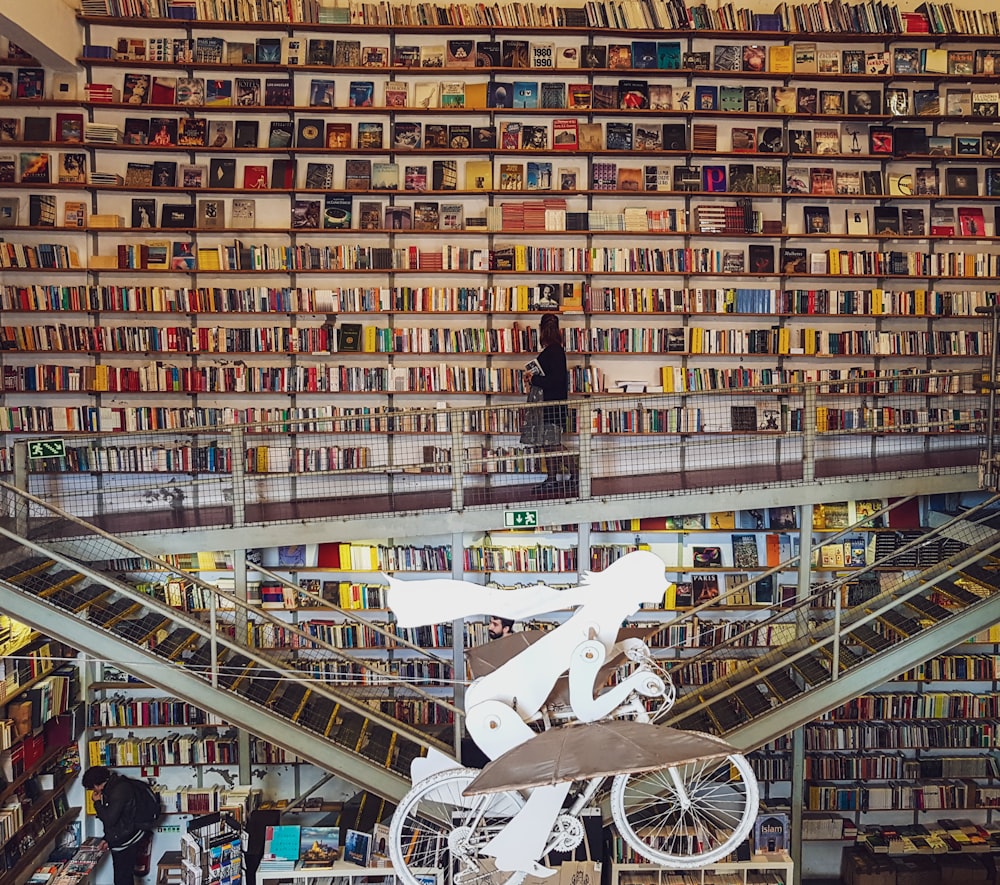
(690, 199)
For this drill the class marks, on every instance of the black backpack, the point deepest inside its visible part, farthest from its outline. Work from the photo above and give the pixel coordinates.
(148, 805)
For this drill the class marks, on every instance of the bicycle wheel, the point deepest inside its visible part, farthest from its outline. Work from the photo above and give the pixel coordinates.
(437, 829)
(711, 815)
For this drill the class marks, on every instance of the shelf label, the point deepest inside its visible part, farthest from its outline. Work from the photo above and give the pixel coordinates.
(47, 448)
(520, 519)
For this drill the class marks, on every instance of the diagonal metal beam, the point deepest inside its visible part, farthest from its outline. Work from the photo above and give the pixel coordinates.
(876, 671)
(176, 680)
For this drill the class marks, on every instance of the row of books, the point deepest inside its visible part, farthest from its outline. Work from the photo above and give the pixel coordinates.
(320, 379)
(119, 711)
(595, 299)
(489, 55)
(628, 94)
(569, 134)
(680, 340)
(864, 17)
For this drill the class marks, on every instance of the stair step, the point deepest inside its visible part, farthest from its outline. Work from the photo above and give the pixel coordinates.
(378, 743)
(139, 630)
(404, 754)
(47, 583)
(317, 713)
(288, 699)
(847, 658)
(725, 714)
(899, 622)
(175, 643)
(236, 668)
(987, 577)
(76, 599)
(201, 658)
(868, 638)
(960, 594)
(698, 720)
(108, 613)
(24, 567)
(349, 731)
(753, 701)
(783, 686)
(259, 684)
(811, 670)
(927, 609)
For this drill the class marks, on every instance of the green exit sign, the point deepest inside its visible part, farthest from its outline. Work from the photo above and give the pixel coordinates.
(520, 519)
(47, 448)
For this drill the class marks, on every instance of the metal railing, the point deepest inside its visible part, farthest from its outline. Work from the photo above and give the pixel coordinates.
(343, 462)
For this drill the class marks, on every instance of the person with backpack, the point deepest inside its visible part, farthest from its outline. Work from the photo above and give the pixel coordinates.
(129, 810)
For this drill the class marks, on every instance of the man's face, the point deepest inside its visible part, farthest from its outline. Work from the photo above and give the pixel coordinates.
(98, 791)
(496, 628)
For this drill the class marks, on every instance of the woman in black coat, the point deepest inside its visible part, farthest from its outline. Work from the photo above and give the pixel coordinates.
(554, 383)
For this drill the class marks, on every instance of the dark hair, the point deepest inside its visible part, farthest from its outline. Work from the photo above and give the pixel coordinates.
(548, 330)
(95, 775)
(505, 623)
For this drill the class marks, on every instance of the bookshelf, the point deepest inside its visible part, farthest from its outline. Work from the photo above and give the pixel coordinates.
(775, 868)
(740, 270)
(38, 728)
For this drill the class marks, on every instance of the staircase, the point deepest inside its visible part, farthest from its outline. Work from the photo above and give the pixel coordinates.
(57, 574)
(64, 581)
(861, 646)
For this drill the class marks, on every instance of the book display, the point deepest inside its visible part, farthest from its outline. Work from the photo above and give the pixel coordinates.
(633, 150)
(38, 731)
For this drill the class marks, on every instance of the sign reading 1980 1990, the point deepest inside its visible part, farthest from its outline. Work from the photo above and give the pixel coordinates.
(46, 448)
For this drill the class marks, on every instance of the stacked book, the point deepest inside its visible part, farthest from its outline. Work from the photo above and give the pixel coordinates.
(430, 260)
(105, 178)
(104, 93)
(512, 216)
(600, 220)
(281, 848)
(101, 133)
(635, 218)
(494, 218)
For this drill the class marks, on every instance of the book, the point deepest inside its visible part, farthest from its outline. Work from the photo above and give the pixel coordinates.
(211, 214)
(243, 213)
(817, 219)
(136, 88)
(222, 172)
(191, 132)
(371, 135)
(34, 166)
(309, 132)
(322, 93)
(337, 210)
(305, 214)
(246, 133)
(190, 91)
(41, 210)
(358, 174)
(396, 94)
(971, 221)
(347, 53)
(247, 92)
(74, 214)
(278, 92)
(385, 176)
(886, 220)
(255, 177)
(218, 92)
(72, 168)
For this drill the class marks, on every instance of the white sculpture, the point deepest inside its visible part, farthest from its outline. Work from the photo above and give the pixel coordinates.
(512, 828)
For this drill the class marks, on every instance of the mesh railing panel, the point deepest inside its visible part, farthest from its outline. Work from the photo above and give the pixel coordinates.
(361, 461)
(189, 622)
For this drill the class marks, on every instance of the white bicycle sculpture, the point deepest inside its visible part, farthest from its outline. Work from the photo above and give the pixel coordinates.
(680, 799)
